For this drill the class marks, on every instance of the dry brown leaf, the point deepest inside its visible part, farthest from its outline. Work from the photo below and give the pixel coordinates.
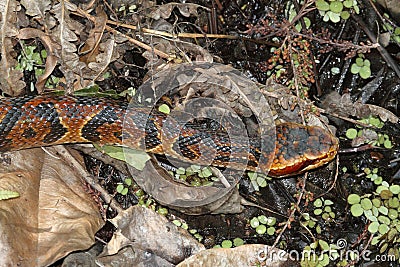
(10, 79)
(145, 230)
(383, 114)
(65, 36)
(164, 11)
(245, 255)
(52, 217)
(91, 47)
(36, 8)
(343, 105)
(107, 54)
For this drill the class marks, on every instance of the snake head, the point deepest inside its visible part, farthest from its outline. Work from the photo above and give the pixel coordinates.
(300, 148)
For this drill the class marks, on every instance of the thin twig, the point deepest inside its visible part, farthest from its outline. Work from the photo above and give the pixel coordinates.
(67, 157)
(291, 215)
(132, 40)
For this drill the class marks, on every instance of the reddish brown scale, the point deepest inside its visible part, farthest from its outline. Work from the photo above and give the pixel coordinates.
(42, 121)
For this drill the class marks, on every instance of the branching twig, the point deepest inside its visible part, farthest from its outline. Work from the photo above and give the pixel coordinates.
(386, 56)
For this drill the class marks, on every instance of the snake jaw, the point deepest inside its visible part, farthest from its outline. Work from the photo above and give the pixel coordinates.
(301, 148)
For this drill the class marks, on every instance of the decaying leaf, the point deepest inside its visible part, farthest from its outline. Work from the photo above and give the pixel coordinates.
(10, 78)
(107, 54)
(164, 11)
(343, 105)
(36, 8)
(64, 36)
(52, 217)
(91, 48)
(146, 231)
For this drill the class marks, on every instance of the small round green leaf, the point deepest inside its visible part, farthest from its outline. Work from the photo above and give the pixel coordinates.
(395, 189)
(345, 14)
(376, 202)
(261, 181)
(393, 202)
(254, 222)
(353, 199)
(120, 187)
(327, 209)
(360, 62)
(387, 144)
(318, 212)
(164, 108)
(262, 219)
(384, 219)
(271, 221)
(369, 216)
(271, 230)
(365, 72)
(383, 229)
(177, 223)
(383, 210)
(323, 244)
(206, 172)
(335, 70)
(356, 210)
(366, 204)
(124, 191)
(318, 203)
(238, 242)
(373, 227)
(162, 211)
(393, 214)
(322, 5)
(252, 175)
(351, 133)
(375, 240)
(226, 244)
(333, 16)
(336, 6)
(348, 3)
(355, 68)
(261, 229)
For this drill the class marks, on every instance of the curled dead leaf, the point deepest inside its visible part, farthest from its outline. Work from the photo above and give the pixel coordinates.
(52, 217)
(10, 79)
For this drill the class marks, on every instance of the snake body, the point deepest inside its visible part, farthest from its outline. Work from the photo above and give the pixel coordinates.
(29, 121)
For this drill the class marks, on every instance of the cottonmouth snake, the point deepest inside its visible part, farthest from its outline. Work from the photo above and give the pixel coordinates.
(27, 122)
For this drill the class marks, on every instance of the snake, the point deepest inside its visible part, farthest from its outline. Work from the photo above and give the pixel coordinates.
(36, 121)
